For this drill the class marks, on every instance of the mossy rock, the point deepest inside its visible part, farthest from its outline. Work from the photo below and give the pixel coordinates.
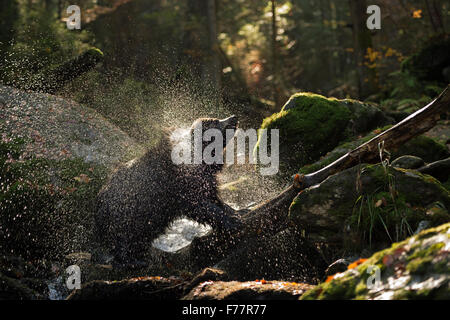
(408, 162)
(423, 147)
(367, 205)
(310, 125)
(416, 268)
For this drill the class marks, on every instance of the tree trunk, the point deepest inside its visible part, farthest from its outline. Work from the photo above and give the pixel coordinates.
(366, 77)
(434, 12)
(200, 43)
(213, 65)
(277, 96)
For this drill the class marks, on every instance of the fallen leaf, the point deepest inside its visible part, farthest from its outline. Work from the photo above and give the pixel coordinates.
(387, 260)
(356, 263)
(417, 14)
(82, 178)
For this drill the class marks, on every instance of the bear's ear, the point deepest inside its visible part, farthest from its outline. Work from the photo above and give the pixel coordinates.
(198, 122)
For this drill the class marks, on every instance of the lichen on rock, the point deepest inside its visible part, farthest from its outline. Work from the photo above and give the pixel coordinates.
(416, 268)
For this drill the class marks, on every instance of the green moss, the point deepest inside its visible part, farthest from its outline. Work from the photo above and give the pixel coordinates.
(312, 294)
(432, 231)
(420, 261)
(310, 127)
(337, 289)
(95, 52)
(361, 288)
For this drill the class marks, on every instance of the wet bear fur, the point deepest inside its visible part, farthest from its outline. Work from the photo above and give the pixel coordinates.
(143, 197)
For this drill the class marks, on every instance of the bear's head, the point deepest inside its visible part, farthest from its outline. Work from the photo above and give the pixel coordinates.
(207, 132)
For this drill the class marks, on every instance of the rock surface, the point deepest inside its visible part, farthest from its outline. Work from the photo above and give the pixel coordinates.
(54, 157)
(408, 162)
(58, 128)
(14, 289)
(250, 290)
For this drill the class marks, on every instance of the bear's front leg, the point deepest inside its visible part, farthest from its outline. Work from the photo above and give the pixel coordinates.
(219, 216)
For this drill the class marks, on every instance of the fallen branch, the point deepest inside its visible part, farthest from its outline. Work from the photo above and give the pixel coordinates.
(54, 79)
(51, 79)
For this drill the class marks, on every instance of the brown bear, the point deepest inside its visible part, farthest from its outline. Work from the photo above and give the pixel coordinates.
(143, 197)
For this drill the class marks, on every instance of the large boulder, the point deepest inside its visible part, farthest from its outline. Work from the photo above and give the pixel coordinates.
(311, 125)
(54, 157)
(56, 128)
(416, 268)
(369, 205)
